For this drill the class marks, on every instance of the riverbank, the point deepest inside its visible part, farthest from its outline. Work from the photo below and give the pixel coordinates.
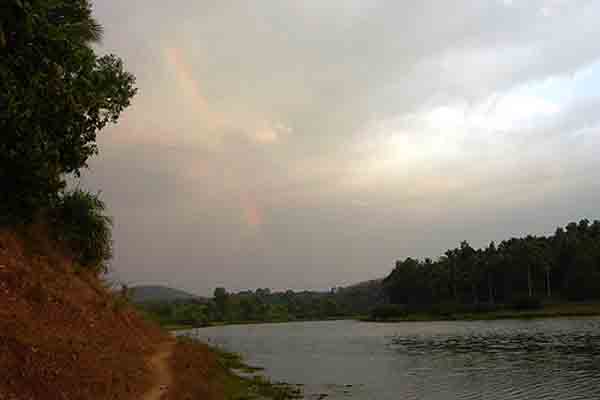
(504, 359)
(184, 327)
(95, 345)
(557, 310)
(204, 372)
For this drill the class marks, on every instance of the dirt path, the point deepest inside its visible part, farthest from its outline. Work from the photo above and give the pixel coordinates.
(162, 372)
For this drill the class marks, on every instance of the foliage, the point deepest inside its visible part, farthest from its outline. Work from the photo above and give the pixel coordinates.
(251, 385)
(388, 311)
(526, 303)
(79, 222)
(262, 305)
(204, 372)
(222, 301)
(234, 361)
(180, 312)
(518, 272)
(55, 95)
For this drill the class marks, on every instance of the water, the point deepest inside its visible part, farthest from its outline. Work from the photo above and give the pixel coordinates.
(508, 359)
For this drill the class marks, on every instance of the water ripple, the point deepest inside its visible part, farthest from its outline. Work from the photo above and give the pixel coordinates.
(502, 363)
(497, 360)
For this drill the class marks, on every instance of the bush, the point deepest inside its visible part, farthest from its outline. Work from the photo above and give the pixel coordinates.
(443, 309)
(484, 308)
(388, 311)
(80, 223)
(526, 303)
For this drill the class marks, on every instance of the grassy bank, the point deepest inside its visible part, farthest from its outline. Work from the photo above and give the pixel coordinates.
(205, 372)
(557, 310)
(183, 327)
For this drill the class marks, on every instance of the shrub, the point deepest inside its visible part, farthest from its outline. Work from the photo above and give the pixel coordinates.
(483, 308)
(388, 311)
(526, 303)
(80, 223)
(445, 309)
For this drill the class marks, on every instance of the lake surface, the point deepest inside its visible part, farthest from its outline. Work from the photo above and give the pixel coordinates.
(508, 359)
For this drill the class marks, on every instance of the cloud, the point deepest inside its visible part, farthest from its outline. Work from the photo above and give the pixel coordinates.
(307, 144)
(252, 214)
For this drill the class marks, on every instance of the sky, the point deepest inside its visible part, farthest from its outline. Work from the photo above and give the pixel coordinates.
(310, 144)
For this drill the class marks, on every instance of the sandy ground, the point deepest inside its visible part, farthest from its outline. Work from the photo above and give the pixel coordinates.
(163, 377)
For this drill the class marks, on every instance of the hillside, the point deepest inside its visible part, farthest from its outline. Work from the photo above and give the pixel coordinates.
(149, 293)
(64, 335)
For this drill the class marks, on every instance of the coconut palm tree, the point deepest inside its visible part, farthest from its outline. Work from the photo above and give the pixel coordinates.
(71, 19)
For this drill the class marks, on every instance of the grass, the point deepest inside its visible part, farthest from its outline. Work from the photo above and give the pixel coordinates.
(258, 387)
(555, 310)
(182, 327)
(242, 383)
(234, 361)
(177, 327)
(211, 373)
(550, 310)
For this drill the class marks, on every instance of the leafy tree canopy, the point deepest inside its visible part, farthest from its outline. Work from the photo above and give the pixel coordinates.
(55, 95)
(518, 271)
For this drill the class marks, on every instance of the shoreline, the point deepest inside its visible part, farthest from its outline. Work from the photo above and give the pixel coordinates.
(183, 327)
(224, 372)
(236, 379)
(559, 310)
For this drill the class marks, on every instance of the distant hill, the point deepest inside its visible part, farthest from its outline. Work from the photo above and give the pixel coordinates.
(374, 284)
(143, 294)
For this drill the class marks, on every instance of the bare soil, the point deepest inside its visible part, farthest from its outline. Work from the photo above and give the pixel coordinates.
(64, 335)
(162, 373)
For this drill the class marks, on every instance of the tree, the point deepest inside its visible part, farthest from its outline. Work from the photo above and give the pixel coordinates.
(247, 308)
(56, 94)
(490, 261)
(535, 255)
(565, 265)
(221, 298)
(451, 256)
(469, 261)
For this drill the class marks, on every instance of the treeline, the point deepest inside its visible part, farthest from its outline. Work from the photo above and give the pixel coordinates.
(520, 271)
(263, 305)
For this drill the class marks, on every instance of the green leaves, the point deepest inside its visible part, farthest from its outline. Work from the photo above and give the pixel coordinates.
(80, 222)
(564, 265)
(56, 94)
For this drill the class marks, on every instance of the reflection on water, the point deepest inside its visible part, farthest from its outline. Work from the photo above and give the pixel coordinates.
(536, 344)
(540, 359)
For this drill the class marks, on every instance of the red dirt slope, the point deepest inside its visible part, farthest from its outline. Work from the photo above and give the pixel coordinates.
(62, 334)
